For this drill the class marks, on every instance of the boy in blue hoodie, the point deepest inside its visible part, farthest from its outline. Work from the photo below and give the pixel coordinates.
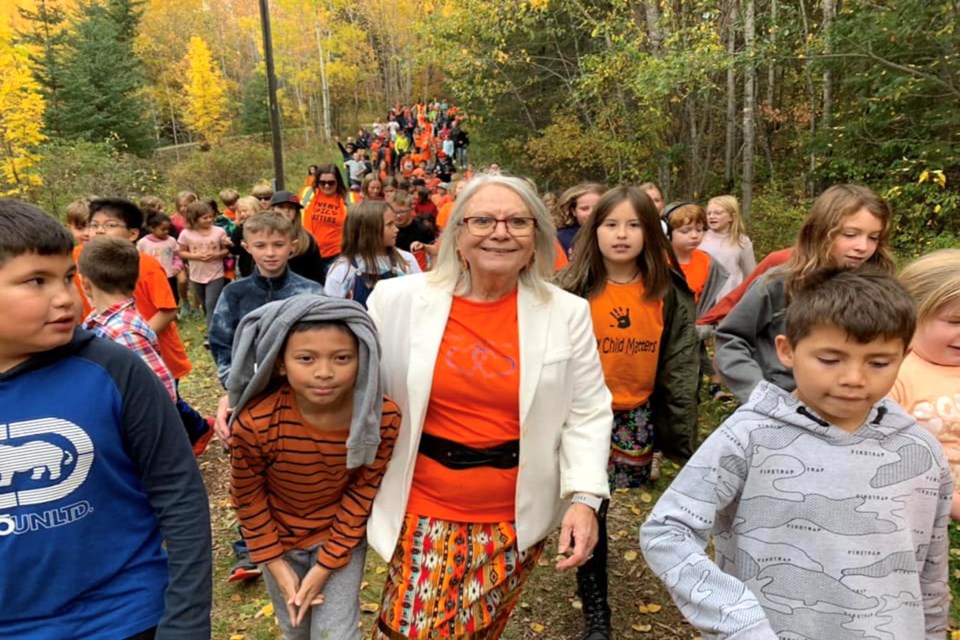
(96, 473)
(269, 237)
(828, 506)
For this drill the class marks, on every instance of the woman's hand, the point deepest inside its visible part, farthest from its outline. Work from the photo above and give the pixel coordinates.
(288, 581)
(311, 591)
(578, 536)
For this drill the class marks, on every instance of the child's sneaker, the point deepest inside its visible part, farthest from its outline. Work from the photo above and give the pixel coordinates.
(244, 570)
(717, 393)
(655, 465)
(201, 444)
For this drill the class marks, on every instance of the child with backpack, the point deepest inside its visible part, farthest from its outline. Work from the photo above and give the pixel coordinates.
(369, 253)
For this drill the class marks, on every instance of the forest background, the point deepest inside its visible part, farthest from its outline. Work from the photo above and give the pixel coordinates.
(772, 100)
(768, 99)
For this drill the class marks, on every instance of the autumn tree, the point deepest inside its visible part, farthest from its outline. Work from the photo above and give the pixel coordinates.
(21, 118)
(206, 111)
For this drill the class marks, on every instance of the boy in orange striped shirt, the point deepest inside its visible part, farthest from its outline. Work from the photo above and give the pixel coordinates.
(306, 462)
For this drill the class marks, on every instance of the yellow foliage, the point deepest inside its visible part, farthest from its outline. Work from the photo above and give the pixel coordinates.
(206, 110)
(21, 118)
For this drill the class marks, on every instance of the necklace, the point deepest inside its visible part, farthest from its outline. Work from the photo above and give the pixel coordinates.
(632, 278)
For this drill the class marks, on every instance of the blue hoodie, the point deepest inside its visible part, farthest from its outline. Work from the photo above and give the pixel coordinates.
(95, 475)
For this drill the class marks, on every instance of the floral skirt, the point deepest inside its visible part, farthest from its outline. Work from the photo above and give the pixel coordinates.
(453, 580)
(631, 448)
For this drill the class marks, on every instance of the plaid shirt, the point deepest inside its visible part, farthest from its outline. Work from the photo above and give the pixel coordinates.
(121, 323)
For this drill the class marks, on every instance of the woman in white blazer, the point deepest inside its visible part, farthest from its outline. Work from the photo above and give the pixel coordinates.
(506, 420)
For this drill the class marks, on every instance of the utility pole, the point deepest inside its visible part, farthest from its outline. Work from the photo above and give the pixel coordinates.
(272, 91)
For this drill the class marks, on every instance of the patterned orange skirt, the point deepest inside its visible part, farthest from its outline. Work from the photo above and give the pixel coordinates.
(453, 580)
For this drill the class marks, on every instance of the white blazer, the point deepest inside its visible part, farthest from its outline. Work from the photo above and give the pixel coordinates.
(565, 414)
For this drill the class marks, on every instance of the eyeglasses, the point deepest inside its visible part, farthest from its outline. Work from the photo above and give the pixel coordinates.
(106, 226)
(326, 183)
(265, 198)
(518, 227)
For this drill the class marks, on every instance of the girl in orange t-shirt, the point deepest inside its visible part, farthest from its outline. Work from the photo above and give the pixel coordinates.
(325, 215)
(643, 319)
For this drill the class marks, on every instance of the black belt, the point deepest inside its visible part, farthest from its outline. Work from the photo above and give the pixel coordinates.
(454, 455)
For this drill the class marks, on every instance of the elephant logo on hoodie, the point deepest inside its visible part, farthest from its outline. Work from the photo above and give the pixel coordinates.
(31, 448)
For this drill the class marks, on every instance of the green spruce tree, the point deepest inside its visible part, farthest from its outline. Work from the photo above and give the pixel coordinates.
(255, 111)
(103, 78)
(46, 37)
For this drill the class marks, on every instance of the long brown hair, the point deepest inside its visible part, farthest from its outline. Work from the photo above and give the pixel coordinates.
(586, 275)
(335, 171)
(821, 226)
(363, 238)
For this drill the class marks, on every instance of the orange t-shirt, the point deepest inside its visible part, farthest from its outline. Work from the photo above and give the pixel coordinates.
(324, 220)
(443, 214)
(153, 294)
(560, 261)
(475, 401)
(628, 330)
(696, 272)
(85, 305)
(931, 394)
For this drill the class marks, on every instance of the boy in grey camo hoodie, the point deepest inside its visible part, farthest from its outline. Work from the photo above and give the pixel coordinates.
(828, 506)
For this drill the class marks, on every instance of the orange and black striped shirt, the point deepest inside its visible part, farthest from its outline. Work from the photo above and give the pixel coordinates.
(290, 483)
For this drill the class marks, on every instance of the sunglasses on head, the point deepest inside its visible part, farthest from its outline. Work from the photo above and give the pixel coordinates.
(326, 183)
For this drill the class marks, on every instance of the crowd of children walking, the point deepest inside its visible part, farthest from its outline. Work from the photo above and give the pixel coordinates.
(827, 493)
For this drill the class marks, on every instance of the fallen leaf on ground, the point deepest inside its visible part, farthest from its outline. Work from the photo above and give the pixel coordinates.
(266, 610)
(646, 497)
(650, 608)
(536, 627)
(642, 628)
(369, 607)
(630, 556)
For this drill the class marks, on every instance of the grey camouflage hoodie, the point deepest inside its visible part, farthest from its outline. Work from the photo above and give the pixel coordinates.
(819, 533)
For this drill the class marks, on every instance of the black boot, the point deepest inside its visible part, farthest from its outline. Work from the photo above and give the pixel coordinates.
(592, 585)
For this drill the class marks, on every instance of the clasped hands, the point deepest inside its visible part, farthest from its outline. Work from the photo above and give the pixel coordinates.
(299, 594)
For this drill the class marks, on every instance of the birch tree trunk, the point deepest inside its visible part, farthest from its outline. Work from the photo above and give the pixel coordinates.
(731, 138)
(749, 92)
(324, 85)
(829, 12)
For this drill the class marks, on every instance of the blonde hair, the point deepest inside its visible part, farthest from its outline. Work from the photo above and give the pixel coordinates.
(449, 274)
(566, 207)
(933, 281)
(186, 197)
(821, 226)
(229, 197)
(731, 205)
(261, 190)
(248, 202)
(78, 212)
